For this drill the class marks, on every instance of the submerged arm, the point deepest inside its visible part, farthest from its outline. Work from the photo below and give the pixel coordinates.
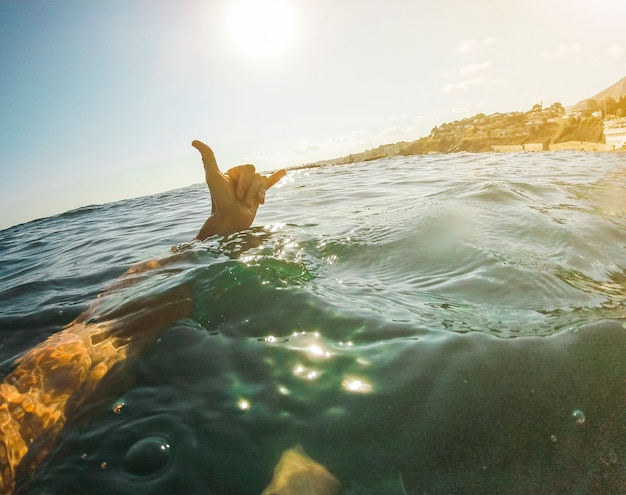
(65, 369)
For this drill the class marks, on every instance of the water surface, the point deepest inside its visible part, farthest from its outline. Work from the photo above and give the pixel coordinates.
(410, 321)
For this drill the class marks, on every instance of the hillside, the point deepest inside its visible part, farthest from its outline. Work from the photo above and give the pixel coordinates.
(538, 127)
(614, 92)
(580, 127)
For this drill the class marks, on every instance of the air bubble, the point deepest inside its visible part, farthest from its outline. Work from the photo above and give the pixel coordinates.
(147, 456)
(579, 416)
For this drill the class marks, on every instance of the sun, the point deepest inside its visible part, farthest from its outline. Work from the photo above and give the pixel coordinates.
(260, 28)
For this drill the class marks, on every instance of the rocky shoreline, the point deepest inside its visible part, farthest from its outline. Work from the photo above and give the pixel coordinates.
(539, 129)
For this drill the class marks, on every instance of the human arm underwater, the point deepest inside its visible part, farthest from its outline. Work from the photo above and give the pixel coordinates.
(51, 380)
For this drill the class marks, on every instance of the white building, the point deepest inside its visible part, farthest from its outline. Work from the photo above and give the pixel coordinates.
(615, 133)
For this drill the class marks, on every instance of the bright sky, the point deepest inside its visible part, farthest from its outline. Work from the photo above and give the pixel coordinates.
(100, 100)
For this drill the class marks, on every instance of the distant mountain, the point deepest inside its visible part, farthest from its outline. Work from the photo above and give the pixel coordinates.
(616, 92)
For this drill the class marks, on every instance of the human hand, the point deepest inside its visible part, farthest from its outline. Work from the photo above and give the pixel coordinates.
(235, 195)
(297, 473)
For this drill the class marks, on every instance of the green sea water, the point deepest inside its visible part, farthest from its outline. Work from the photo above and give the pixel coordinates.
(432, 324)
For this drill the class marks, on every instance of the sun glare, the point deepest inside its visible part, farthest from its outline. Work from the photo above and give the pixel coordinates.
(261, 28)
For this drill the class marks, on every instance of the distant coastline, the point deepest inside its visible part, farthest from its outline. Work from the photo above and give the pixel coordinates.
(555, 128)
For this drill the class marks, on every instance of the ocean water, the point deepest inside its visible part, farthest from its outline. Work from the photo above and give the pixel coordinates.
(432, 324)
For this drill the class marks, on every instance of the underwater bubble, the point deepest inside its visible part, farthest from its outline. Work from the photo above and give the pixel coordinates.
(147, 456)
(553, 438)
(579, 416)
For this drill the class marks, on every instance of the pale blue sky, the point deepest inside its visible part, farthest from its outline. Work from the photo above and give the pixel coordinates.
(99, 101)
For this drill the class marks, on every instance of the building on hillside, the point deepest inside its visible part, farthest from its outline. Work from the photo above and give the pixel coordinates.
(615, 133)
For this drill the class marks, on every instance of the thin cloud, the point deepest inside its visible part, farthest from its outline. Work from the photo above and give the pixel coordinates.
(409, 128)
(402, 116)
(469, 76)
(462, 110)
(397, 133)
(407, 118)
(462, 86)
(563, 49)
(471, 70)
(616, 52)
(472, 45)
(308, 152)
(474, 69)
(354, 137)
(305, 148)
